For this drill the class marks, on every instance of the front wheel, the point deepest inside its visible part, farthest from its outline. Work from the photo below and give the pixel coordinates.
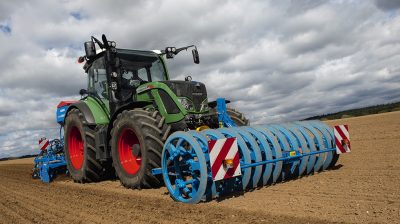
(237, 117)
(137, 140)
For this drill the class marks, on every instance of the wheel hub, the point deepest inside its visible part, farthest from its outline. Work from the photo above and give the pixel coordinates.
(129, 151)
(75, 146)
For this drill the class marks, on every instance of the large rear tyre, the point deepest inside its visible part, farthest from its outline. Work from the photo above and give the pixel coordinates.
(80, 150)
(137, 140)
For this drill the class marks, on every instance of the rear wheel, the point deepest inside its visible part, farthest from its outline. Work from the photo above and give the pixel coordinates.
(137, 140)
(80, 151)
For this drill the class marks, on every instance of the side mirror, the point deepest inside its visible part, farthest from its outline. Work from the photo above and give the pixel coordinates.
(83, 92)
(196, 58)
(90, 49)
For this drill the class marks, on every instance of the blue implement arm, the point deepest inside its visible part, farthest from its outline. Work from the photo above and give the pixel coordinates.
(223, 118)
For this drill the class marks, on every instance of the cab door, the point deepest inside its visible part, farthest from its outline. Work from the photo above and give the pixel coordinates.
(97, 85)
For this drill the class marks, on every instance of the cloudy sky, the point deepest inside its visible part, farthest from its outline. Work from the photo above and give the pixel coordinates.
(276, 60)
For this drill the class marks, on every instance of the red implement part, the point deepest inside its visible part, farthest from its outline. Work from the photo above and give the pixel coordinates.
(342, 139)
(66, 103)
(43, 143)
(224, 158)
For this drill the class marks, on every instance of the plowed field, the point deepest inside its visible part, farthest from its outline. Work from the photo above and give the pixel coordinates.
(363, 188)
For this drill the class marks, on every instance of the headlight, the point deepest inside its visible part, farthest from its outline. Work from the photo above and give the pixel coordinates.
(187, 104)
(204, 105)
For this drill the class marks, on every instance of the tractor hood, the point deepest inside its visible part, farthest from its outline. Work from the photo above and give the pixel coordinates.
(194, 91)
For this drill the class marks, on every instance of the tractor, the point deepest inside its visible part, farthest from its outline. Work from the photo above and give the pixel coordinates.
(127, 112)
(134, 123)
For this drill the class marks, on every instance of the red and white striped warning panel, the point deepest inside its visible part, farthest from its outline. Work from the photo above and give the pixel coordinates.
(342, 139)
(224, 158)
(43, 143)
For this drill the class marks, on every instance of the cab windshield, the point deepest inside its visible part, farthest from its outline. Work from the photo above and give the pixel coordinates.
(141, 65)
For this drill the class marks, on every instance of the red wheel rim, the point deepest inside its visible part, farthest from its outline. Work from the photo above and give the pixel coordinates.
(130, 163)
(75, 146)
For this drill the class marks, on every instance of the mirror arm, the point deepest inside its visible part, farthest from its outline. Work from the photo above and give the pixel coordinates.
(98, 42)
(184, 48)
(179, 49)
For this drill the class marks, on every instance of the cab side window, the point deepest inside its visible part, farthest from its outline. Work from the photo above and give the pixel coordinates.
(98, 79)
(142, 73)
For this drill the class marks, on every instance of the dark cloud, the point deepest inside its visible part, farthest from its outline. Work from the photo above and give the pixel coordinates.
(387, 4)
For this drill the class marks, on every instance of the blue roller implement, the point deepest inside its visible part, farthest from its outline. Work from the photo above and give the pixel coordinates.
(200, 166)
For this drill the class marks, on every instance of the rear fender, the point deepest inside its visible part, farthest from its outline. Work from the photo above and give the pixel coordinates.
(85, 110)
(93, 112)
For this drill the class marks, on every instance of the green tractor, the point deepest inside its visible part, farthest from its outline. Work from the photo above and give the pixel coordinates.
(127, 112)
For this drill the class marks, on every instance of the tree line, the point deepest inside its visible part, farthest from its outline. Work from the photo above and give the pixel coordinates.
(377, 109)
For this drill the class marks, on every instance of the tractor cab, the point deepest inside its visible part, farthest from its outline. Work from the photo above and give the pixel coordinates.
(133, 68)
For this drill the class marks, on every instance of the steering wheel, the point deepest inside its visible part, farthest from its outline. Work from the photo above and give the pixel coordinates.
(135, 76)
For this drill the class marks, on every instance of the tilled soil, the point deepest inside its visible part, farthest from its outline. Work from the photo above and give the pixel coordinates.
(363, 188)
